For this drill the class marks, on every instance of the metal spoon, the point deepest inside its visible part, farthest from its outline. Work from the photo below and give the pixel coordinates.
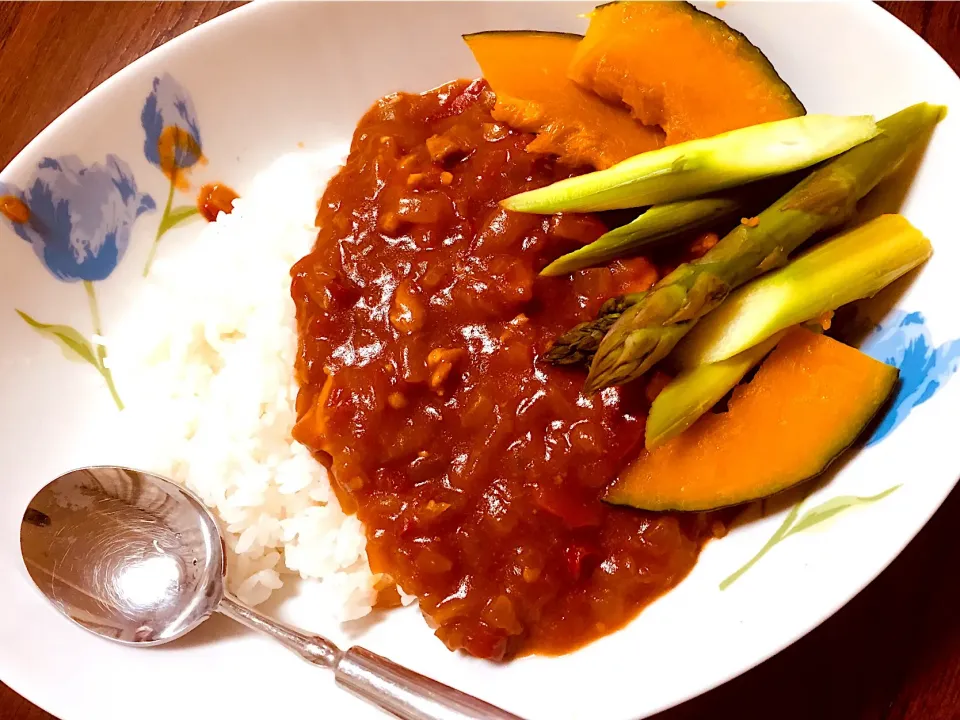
(137, 559)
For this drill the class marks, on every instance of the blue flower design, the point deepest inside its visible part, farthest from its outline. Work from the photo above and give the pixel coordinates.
(77, 219)
(904, 340)
(172, 143)
(170, 124)
(80, 217)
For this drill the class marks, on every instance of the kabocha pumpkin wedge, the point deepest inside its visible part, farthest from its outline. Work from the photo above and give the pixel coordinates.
(693, 392)
(808, 402)
(734, 337)
(681, 69)
(528, 72)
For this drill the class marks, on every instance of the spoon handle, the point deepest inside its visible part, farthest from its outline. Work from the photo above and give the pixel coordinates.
(407, 694)
(312, 648)
(399, 691)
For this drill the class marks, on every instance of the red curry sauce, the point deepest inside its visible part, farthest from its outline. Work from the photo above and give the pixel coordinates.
(215, 198)
(476, 466)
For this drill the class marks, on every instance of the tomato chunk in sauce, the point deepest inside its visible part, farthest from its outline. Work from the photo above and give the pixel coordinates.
(476, 466)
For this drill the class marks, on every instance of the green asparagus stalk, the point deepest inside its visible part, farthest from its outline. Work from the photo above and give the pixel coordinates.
(854, 265)
(657, 223)
(577, 345)
(694, 391)
(647, 331)
(670, 220)
(697, 167)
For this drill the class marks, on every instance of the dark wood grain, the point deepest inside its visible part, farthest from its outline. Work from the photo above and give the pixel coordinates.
(893, 653)
(52, 54)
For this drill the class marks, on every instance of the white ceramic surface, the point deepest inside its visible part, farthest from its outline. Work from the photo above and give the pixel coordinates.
(263, 79)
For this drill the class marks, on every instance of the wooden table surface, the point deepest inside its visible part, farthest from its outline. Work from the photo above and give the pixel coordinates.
(893, 653)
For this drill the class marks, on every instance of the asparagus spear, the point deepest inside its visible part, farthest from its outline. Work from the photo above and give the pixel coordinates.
(577, 345)
(656, 223)
(697, 167)
(694, 391)
(671, 219)
(647, 331)
(852, 266)
(737, 335)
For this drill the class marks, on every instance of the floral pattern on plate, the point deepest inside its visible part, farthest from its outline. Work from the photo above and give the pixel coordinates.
(78, 220)
(172, 143)
(904, 341)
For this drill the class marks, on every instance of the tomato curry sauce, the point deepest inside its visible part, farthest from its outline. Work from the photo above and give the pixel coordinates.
(475, 465)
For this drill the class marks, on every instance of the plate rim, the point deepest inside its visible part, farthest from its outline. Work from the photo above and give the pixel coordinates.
(238, 14)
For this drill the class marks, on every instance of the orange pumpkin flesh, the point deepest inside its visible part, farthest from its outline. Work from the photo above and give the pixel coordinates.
(679, 68)
(528, 72)
(807, 403)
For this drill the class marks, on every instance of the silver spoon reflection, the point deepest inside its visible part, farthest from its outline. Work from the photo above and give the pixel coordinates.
(136, 559)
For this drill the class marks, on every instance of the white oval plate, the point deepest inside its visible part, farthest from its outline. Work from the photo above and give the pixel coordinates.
(257, 82)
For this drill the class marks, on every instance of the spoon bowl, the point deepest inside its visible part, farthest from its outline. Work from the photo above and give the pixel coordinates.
(124, 554)
(136, 559)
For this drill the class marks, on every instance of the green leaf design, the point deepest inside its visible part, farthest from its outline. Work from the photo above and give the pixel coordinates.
(172, 216)
(176, 216)
(811, 518)
(779, 535)
(830, 508)
(74, 345)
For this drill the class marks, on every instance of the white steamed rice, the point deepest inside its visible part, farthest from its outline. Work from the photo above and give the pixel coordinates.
(212, 344)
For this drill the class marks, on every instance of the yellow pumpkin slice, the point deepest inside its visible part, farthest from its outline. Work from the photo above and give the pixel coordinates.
(808, 402)
(528, 72)
(681, 69)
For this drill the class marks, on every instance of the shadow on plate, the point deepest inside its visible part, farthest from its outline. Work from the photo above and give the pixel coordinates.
(281, 607)
(216, 629)
(889, 195)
